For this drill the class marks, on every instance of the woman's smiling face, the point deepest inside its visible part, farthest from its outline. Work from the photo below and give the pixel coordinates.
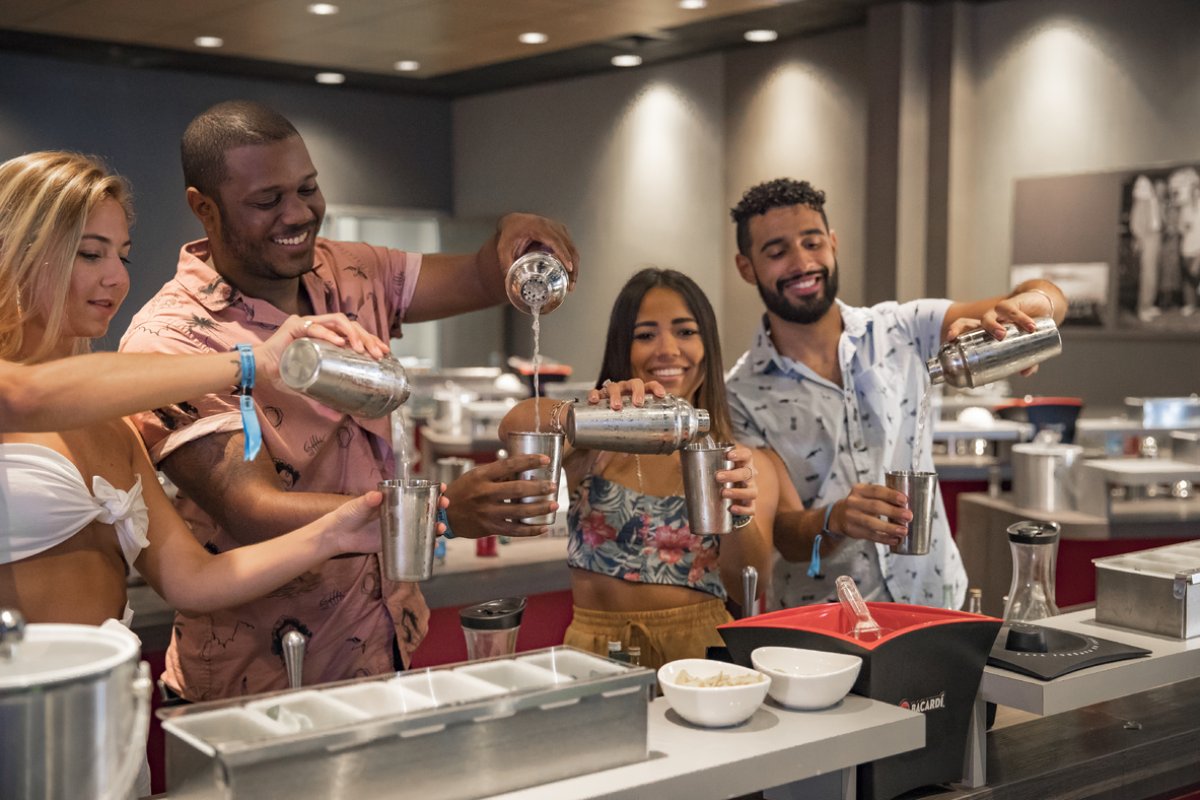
(99, 278)
(666, 343)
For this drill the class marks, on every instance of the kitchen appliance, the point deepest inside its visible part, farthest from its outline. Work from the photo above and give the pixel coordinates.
(346, 381)
(74, 711)
(1046, 653)
(1059, 414)
(661, 425)
(1185, 446)
(450, 404)
(1043, 476)
(536, 283)
(707, 511)
(977, 358)
(1034, 548)
(928, 659)
(472, 730)
(1156, 590)
(1139, 489)
(1165, 412)
(491, 628)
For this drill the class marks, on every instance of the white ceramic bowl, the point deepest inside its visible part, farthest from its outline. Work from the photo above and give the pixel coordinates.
(712, 706)
(806, 679)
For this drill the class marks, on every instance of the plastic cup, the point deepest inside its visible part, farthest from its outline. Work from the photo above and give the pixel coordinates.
(408, 525)
(921, 489)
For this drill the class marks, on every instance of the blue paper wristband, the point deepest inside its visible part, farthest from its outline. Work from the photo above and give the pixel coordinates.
(445, 520)
(250, 428)
(814, 564)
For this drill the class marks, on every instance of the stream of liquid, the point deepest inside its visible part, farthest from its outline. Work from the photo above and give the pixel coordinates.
(400, 443)
(537, 368)
(922, 423)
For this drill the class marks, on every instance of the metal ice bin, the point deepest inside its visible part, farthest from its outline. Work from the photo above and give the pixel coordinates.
(452, 733)
(1156, 590)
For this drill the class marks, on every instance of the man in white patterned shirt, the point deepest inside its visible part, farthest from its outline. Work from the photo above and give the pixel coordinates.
(834, 390)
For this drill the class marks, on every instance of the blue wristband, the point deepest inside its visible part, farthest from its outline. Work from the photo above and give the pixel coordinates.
(250, 428)
(814, 564)
(445, 520)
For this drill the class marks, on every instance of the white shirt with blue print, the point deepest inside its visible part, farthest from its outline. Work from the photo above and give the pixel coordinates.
(831, 437)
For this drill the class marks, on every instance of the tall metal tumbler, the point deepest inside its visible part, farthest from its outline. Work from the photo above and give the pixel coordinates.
(921, 490)
(708, 512)
(545, 444)
(350, 382)
(408, 525)
(660, 426)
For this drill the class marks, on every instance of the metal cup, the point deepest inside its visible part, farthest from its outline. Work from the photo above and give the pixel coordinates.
(708, 512)
(408, 525)
(350, 382)
(921, 489)
(545, 444)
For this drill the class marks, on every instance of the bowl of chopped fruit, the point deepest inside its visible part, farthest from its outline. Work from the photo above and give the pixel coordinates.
(713, 694)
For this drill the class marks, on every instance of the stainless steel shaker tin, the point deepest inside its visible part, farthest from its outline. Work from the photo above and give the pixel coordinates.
(976, 358)
(350, 382)
(660, 426)
(408, 527)
(537, 283)
(708, 512)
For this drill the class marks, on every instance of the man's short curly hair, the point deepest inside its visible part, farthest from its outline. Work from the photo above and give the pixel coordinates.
(779, 193)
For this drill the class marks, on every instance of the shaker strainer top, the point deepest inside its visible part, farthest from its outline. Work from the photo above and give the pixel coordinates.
(535, 291)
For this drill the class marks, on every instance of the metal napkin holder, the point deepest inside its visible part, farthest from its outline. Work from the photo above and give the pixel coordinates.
(520, 738)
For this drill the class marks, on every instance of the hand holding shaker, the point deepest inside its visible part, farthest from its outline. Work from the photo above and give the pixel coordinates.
(708, 512)
(662, 425)
(346, 381)
(536, 283)
(408, 525)
(921, 489)
(521, 443)
(977, 359)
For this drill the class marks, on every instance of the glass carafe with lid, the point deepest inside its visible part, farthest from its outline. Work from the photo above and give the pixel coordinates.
(491, 628)
(1034, 547)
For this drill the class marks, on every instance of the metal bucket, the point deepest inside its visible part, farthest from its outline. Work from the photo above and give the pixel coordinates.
(1044, 476)
(74, 711)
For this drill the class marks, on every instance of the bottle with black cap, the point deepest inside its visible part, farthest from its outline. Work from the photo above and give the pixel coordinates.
(491, 628)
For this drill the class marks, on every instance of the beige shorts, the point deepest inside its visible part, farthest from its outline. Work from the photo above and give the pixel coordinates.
(683, 632)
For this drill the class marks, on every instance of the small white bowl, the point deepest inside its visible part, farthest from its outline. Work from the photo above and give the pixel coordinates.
(806, 679)
(712, 706)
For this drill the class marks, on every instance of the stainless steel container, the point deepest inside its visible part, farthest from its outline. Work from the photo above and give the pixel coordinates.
(344, 380)
(660, 426)
(708, 512)
(976, 358)
(1156, 590)
(451, 733)
(408, 528)
(74, 712)
(1185, 446)
(536, 283)
(1044, 476)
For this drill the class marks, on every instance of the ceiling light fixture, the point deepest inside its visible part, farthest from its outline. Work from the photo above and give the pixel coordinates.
(760, 36)
(208, 41)
(626, 60)
(330, 77)
(692, 5)
(322, 9)
(533, 37)
(407, 66)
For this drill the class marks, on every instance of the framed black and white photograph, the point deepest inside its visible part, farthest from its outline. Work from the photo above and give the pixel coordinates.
(1085, 285)
(1158, 254)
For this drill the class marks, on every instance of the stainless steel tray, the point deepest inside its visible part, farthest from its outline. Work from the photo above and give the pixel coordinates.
(452, 733)
(1155, 590)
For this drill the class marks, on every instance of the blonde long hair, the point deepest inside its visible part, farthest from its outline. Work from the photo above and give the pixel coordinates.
(45, 200)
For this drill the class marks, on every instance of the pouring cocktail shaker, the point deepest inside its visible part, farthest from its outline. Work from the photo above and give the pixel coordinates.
(536, 283)
(346, 381)
(708, 512)
(662, 425)
(977, 358)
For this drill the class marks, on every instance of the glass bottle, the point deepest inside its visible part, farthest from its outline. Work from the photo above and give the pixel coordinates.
(635, 655)
(975, 601)
(1034, 547)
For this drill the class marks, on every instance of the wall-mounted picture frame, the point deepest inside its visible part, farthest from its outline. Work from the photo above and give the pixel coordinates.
(1085, 285)
(1158, 250)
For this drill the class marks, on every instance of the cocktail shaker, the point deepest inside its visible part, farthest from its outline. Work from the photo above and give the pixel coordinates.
(977, 358)
(660, 426)
(346, 381)
(708, 512)
(536, 283)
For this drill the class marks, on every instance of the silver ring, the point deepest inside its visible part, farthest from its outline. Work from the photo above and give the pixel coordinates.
(307, 324)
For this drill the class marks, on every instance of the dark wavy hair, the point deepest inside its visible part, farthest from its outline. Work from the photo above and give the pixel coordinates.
(710, 394)
(234, 123)
(779, 193)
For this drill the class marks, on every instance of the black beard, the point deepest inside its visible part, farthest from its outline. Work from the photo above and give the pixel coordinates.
(806, 312)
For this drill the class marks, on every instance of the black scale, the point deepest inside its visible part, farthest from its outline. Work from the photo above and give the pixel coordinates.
(1046, 653)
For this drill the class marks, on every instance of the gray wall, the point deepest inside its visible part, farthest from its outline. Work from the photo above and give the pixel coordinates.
(371, 149)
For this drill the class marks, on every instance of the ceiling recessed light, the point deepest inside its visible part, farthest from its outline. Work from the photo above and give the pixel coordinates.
(330, 77)
(760, 36)
(209, 41)
(322, 9)
(627, 60)
(692, 5)
(533, 37)
(407, 66)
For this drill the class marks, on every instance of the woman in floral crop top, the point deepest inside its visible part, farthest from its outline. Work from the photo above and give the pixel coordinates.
(638, 574)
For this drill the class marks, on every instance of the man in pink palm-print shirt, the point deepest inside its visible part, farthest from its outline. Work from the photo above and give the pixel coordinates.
(252, 185)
